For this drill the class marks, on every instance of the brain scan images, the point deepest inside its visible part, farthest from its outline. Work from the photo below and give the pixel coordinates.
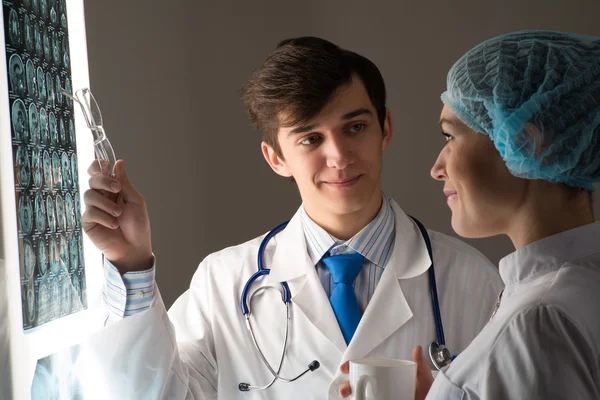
(44, 154)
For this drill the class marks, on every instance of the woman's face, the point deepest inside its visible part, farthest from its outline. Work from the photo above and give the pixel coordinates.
(481, 192)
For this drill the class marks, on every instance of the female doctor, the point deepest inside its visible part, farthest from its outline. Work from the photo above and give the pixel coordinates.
(321, 110)
(521, 119)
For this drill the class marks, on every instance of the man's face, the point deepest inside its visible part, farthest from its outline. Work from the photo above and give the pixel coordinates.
(335, 159)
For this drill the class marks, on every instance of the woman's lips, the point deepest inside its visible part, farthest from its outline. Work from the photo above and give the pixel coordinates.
(450, 195)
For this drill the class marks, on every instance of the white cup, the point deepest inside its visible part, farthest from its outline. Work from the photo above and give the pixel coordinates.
(383, 379)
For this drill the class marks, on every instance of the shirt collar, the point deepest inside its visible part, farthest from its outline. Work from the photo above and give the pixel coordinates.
(374, 241)
(550, 253)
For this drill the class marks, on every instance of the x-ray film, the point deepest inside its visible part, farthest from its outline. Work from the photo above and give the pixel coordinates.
(53, 283)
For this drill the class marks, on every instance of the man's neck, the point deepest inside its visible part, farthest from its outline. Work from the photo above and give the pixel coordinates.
(345, 226)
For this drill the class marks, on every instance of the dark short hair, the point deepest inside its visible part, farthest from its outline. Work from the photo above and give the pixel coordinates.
(300, 77)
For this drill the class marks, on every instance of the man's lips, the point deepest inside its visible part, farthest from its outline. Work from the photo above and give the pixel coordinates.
(343, 181)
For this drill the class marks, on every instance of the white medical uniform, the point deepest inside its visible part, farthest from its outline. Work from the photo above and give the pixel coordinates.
(544, 341)
(202, 349)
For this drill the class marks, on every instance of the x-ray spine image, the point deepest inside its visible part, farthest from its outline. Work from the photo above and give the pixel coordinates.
(45, 160)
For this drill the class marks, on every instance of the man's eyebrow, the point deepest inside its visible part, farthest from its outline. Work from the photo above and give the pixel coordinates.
(356, 113)
(347, 116)
(302, 129)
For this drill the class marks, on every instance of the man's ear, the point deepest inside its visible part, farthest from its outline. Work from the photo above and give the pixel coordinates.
(387, 129)
(276, 162)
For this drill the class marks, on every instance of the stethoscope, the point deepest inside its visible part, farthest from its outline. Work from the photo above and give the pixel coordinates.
(438, 352)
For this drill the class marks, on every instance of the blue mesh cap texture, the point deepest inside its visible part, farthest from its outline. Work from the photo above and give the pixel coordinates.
(537, 95)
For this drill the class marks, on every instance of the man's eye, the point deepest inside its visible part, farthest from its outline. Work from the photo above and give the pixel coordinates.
(357, 128)
(310, 140)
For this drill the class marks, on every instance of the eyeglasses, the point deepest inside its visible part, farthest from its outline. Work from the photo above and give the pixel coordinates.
(91, 111)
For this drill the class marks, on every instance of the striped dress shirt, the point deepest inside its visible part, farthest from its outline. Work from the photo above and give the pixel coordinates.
(128, 294)
(374, 242)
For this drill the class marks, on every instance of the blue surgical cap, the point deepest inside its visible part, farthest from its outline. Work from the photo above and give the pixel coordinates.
(537, 95)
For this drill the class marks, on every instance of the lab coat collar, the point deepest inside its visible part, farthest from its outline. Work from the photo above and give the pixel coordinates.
(387, 311)
(550, 253)
(409, 255)
(291, 260)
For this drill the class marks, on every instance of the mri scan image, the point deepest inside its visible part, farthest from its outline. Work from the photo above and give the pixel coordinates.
(66, 170)
(16, 75)
(37, 168)
(74, 171)
(54, 256)
(23, 167)
(30, 309)
(59, 95)
(56, 172)
(41, 78)
(46, 160)
(60, 213)
(14, 28)
(25, 213)
(20, 122)
(28, 258)
(63, 132)
(53, 129)
(47, 37)
(51, 214)
(31, 76)
(64, 252)
(28, 29)
(70, 211)
(40, 213)
(74, 253)
(39, 46)
(34, 124)
(42, 257)
(50, 88)
(44, 130)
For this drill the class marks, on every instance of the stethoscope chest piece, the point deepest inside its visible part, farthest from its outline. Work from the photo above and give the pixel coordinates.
(440, 355)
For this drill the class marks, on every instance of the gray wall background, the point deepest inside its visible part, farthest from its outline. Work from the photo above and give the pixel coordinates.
(168, 77)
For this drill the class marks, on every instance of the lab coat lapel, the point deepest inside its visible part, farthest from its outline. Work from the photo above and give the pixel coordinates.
(388, 309)
(291, 263)
(314, 303)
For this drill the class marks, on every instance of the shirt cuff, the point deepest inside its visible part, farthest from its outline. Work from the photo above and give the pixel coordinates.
(128, 294)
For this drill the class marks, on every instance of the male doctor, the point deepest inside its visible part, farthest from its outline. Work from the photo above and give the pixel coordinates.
(355, 263)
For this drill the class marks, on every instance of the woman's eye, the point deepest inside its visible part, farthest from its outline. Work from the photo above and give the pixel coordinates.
(448, 136)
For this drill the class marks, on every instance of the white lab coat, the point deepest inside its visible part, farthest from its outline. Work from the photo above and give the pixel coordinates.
(544, 341)
(201, 349)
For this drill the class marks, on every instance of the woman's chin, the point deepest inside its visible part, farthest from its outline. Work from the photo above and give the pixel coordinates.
(469, 229)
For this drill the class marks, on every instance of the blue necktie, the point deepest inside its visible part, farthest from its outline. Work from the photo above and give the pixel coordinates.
(344, 269)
